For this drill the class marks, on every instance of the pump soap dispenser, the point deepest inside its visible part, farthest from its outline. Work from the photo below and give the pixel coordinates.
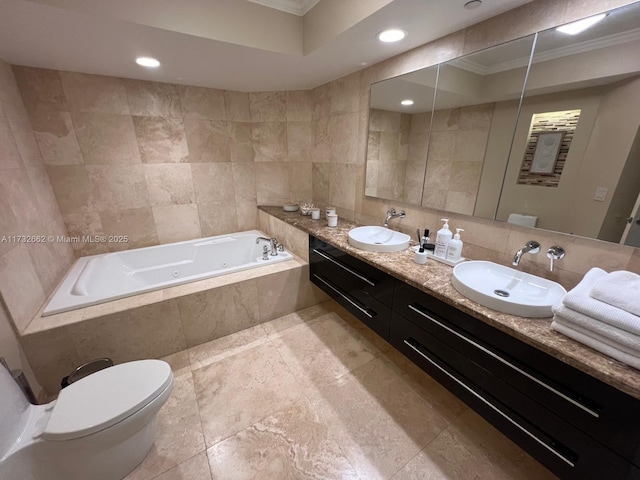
(442, 239)
(454, 249)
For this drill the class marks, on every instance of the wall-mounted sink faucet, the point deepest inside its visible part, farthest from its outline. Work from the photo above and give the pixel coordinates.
(391, 213)
(555, 253)
(531, 247)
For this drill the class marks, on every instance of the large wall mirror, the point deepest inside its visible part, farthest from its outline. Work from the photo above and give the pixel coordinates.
(398, 140)
(475, 113)
(582, 104)
(566, 158)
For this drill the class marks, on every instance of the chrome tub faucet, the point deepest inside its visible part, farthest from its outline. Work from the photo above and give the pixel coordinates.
(273, 242)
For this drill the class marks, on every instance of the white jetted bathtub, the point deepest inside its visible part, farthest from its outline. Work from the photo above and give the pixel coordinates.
(101, 278)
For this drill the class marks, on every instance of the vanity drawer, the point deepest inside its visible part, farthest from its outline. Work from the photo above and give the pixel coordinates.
(355, 274)
(372, 313)
(560, 446)
(602, 412)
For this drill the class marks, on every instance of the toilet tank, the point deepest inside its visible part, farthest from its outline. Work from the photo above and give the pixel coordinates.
(14, 411)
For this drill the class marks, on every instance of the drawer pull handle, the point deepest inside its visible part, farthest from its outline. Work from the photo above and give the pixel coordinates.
(346, 297)
(506, 362)
(409, 342)
(344, 267)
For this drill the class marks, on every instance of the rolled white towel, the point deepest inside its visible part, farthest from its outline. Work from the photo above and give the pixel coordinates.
(578, 299)
(620, 289)
(615, 337)
(598, 345)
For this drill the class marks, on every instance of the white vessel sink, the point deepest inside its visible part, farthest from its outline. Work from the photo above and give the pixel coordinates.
(378, 239)
(506, 290)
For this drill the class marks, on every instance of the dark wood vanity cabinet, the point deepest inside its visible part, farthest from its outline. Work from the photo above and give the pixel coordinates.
(576, 425)
(362, 289)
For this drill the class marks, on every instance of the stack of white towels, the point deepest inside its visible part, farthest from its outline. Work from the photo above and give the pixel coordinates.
(603, 312)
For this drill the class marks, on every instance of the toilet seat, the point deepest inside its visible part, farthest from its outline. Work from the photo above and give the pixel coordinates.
(104, 398)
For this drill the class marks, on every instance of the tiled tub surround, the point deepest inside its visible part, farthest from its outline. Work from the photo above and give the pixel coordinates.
(434, 279)
(101, 278)
(163, 322)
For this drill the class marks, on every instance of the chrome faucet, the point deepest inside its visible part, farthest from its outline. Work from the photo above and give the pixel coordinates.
(531, 247)
(392, 214)
(273, 242)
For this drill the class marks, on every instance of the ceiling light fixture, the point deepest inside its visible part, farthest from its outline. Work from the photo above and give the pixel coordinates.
(147, 62)
(392, 35)
(575, 28)
(472, 4)
(407, 102)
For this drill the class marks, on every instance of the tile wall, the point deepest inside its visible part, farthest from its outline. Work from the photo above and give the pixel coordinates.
(161, 163)
(387, 153)
(28, 270)
(457, 151)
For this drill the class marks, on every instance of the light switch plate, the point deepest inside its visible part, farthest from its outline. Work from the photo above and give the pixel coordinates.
(601, 194)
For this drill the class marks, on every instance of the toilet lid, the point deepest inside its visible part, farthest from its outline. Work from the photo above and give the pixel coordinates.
(106, 397)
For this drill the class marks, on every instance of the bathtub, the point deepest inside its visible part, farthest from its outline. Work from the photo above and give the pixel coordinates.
(110, 276)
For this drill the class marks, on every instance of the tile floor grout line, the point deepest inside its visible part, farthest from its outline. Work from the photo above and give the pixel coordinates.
(176, 466)
(241, 349)
(275, 412)
(195, 391)
(422, 449)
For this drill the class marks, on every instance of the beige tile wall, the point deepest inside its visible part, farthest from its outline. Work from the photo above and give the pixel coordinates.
(457, 150)
(387, 153)
(28, 271)
(162, 163)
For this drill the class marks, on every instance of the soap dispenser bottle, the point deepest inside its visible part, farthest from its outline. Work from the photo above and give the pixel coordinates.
(442, 239)
(454, 249)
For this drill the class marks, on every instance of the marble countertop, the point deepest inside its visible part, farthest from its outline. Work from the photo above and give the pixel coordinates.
(434, 279)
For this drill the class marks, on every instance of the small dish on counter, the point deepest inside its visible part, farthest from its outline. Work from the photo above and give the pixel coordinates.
(290, 207)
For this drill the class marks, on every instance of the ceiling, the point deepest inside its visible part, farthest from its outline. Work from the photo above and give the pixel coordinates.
(256, 45)
(297, 7)
(602, 55)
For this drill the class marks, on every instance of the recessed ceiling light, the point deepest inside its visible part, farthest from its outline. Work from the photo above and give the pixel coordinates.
(575, 28)
(472, 4)
(392, 35)
(407, 102)
(147, 62)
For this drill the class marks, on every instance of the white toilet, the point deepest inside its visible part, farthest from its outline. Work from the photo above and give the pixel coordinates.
(100, 427)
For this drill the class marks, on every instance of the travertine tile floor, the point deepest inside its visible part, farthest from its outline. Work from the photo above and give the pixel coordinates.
(317, 395)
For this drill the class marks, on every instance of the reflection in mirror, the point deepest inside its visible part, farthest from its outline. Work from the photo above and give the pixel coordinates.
(585, 87)
(398, 137)
(475, 113)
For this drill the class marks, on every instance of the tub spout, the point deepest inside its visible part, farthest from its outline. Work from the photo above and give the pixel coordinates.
(273, 242)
